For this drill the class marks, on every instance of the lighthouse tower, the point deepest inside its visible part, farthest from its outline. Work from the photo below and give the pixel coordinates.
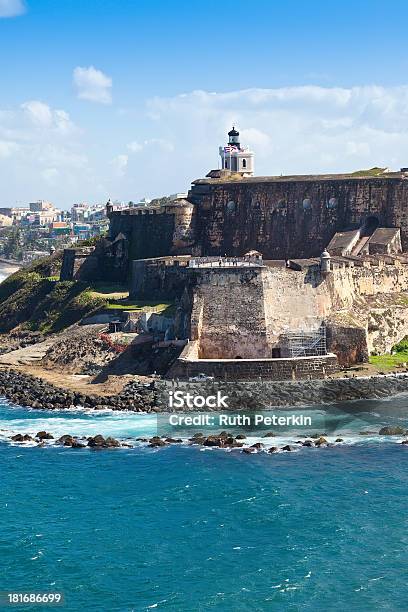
(236, 158)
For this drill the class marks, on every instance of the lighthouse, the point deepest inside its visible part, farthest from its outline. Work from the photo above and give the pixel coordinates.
(236, 158)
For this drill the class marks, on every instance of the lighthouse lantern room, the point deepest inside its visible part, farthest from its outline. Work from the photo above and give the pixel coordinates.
(236, 158)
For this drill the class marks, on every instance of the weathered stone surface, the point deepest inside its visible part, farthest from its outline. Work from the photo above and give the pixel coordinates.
(287, 217)
(21, 438)
(282, 217)
(392, 430)
(27, 390)
(43, 435)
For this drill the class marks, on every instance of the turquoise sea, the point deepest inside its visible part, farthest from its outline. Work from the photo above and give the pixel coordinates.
(185, 529)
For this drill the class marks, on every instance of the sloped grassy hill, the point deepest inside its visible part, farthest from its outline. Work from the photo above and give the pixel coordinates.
(34, 299)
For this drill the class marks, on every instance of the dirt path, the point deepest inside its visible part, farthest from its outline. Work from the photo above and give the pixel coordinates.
(77, 382)
(27, 355)
(28, 360)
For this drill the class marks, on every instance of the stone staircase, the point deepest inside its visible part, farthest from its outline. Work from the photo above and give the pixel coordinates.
(360, 245)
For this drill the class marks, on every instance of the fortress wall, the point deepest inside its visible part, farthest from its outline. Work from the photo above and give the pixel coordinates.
(184, 230)
(247, 312)
(303, 368)
(347, 284)
(79, 264)
(158, 279)
(292, 304)
(232, 316)
(155, 232)
(282, 218)
(292, 218)
(149, 234)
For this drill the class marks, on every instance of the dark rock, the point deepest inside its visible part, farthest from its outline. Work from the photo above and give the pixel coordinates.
(66, 440)
(77, 444)
(339, 440)
(248, 450)
(43, 435)
(390, 430)
(404, 442)
(213, 441)
(199, 441)
(286, 448)
(21, 438)
(173, 440)
(111, 443)
(257, 445)
(269, 434)
(155, 442)
(96, 441)
(240, 437)
(307, 443)
(273, 449)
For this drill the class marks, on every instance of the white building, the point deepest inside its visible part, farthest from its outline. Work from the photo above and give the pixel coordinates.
(236, 158)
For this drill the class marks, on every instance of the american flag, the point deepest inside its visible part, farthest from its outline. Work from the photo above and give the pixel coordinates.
(229, 148)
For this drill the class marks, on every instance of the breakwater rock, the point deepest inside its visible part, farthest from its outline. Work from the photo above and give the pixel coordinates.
(264, 394)
(27, 390)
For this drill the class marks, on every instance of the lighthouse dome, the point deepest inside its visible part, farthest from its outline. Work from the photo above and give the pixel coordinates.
(233, 132)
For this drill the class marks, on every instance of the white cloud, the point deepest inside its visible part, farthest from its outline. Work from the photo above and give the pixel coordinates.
(297, 130)
(156, 143)
(92, 84)
(135, 147)
(41, 155)
(39, 113)
(119, 164)
(7, 148)
(50, 175)
(12, 8)
(306, 129)
(42, 116)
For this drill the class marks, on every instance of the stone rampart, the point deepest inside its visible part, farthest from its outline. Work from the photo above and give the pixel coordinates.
(188, 365)
(286, 217)
(249, 312)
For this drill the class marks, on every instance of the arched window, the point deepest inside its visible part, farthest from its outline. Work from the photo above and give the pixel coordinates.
(244, 163)
(226, 164)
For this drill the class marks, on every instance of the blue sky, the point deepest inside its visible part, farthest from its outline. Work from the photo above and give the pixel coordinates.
(126, 99)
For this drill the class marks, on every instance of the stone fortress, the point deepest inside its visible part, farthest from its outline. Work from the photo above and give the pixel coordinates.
(277, 277)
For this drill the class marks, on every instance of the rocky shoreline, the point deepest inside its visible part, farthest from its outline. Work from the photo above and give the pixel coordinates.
(223, 440)
(26, 390)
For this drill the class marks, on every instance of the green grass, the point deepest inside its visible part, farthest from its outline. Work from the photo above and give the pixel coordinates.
(107, 289)
(34, 299)
(159, 307)
(389, 361)
(371, 172)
